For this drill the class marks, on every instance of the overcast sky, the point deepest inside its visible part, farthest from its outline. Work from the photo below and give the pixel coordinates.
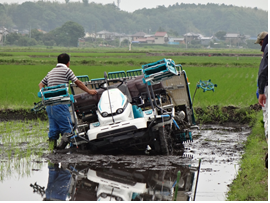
(132, 5)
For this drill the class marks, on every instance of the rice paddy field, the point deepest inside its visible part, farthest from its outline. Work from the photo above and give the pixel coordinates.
(233, 71)
(22, 143)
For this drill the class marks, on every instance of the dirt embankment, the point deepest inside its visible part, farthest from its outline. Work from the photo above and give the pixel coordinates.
(226, 114)
(209, 115)
(199, 54)
(22, 114)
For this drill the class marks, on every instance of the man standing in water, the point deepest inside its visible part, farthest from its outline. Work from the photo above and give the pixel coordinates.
(59, 115)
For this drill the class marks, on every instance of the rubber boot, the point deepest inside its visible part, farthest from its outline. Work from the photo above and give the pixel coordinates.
(64, 141)
(52, 144)
(266, 160)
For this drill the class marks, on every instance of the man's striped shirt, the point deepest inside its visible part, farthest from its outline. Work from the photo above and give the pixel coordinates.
(61, 74)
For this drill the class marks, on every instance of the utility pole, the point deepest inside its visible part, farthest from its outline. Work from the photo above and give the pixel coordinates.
(30, 32)
(118, 3)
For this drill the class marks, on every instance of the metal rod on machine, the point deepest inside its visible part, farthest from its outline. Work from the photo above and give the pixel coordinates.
(74, 117)
(105, 76)
(150, 98)
(197, 179)
(155, 103)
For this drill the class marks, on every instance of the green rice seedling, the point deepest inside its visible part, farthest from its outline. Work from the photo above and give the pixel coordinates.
(24, 96)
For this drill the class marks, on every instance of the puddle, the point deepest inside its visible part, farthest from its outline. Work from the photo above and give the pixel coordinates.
(147, 178)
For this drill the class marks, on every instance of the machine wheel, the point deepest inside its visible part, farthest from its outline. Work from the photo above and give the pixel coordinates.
(164, 141)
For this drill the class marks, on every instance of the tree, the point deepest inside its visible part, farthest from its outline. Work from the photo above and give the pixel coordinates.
(85, 2)
(161, 29)
(220, 35)
(74, 31)
(67, 1)
(26, 41)
(12, 38)
(37, 35)
(67, 35)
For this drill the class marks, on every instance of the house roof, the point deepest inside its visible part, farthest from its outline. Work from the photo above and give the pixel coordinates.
(44, 32)
(160, 34)
(206, 38)
(148, 35)
(231, 35)
(139, 34)
(103, 32)
(191, 34)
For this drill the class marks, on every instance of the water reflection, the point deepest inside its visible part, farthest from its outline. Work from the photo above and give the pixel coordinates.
(59, 183)
(82, 182)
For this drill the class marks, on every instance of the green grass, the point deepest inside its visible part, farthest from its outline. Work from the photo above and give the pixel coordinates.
(144, 48)
(21, 71)
(235, 86)
(251, 183)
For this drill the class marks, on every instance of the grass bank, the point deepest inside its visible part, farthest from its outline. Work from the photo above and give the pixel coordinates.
(251, 183)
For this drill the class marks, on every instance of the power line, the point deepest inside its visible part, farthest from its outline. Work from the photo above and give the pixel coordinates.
(118, 3)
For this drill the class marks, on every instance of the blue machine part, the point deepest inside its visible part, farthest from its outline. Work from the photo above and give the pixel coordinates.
(72, 98)
(55, 95)
(185, 136)
(96, 124)
(165, 116)
(160, 70)
(55, 91)
(134, 73)
(116, 74)
(83, 78)
(175, 123)
(123, 98)
(190, 136)
(137, 111)
(206, 85)
(148, 112)
(95, 82)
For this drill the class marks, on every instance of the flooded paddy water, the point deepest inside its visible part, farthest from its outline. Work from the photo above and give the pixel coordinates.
(77, 176)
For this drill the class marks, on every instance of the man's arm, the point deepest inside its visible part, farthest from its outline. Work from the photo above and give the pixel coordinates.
(41, 85)
(263, 77)
(81, 85)
(263, 73)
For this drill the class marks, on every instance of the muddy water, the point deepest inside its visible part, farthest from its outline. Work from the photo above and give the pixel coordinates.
(122, 177)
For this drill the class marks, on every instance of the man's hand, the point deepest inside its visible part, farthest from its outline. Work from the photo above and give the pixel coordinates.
(84, 88)
(262, 99)
(92, 92)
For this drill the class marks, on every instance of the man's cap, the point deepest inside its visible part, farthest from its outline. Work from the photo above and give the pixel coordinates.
(260, 37)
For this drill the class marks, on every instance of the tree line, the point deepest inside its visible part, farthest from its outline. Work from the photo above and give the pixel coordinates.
(177, 19)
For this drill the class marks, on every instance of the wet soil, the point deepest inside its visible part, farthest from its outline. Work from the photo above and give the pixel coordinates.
(219, 148)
